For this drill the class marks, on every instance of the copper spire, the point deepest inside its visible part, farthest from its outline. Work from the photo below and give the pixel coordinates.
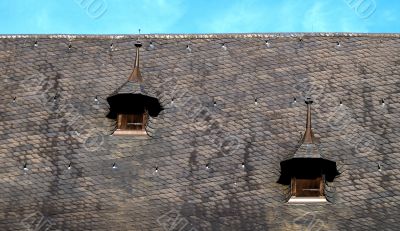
(135, 75)
(308, 137)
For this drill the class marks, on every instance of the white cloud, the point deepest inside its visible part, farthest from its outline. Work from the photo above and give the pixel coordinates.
(152, 16)
(241, 16)
(180, 16)
(315, 18)
(42, 20)
(390, 15)
(332, 16)
(285, 16)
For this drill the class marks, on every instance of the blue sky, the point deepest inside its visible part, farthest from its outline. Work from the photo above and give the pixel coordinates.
(201, 16)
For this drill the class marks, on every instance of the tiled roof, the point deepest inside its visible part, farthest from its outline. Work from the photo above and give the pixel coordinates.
(307, 151)
(223, 106)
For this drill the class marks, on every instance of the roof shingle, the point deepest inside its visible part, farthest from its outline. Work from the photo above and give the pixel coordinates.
(191, 132)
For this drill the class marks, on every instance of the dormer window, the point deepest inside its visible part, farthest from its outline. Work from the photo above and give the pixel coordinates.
(131, 124)
(306, 172)
(132, 104)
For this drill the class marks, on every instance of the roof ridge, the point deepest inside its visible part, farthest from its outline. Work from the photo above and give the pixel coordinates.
(203, 36)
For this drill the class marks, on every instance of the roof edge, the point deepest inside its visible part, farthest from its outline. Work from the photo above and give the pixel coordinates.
(200, 36)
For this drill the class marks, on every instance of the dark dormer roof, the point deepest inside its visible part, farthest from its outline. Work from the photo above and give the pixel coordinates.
(134, 96)
(307, 161)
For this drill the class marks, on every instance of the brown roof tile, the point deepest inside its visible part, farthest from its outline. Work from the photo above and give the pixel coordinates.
(190, 132)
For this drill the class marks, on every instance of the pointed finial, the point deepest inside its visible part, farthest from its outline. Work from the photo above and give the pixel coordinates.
(135, 75)
(308, 137)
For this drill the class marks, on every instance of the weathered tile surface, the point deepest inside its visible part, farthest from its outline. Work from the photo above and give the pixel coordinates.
(210, 117)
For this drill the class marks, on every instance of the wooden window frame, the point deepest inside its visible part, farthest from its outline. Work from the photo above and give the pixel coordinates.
(298, 197)
(123, 124)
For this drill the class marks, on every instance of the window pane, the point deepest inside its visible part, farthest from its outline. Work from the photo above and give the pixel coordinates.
(131, 121)
(135, 122)
(308, 187)
(121, 121)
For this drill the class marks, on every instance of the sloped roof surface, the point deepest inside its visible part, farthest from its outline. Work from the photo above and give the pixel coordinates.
(130, 87)
(308, 151)
(50, 117)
